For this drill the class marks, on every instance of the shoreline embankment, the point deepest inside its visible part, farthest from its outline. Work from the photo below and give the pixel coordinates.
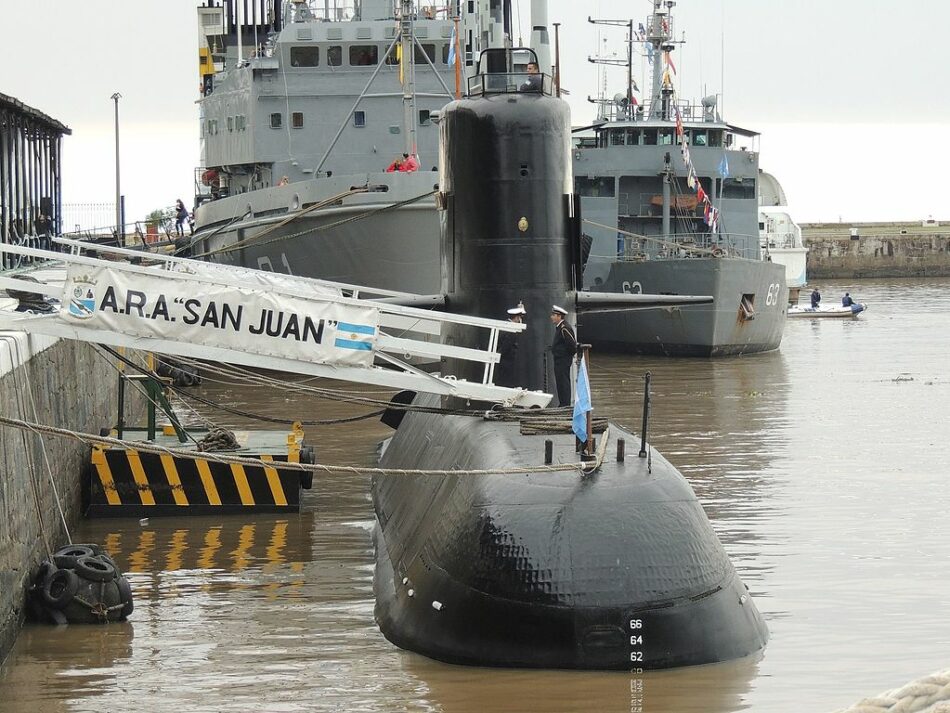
(875, 250)
(55, 382)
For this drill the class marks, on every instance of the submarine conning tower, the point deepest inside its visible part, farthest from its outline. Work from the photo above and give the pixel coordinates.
(508, 232)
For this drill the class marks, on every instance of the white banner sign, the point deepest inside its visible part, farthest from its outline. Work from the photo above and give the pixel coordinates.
(245, 319)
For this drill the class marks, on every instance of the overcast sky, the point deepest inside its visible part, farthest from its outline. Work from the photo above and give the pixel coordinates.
(850, 95)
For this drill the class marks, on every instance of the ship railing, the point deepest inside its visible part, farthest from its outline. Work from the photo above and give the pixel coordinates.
(622, 110)
(680, 245)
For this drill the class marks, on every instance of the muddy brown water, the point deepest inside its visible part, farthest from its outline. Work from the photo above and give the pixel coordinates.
(822, 466)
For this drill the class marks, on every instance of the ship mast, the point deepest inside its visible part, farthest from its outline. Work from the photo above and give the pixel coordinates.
(407, 73)
(659, 36)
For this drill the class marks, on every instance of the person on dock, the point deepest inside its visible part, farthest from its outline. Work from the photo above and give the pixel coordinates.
(846, 301)
(508, 350)
(181, 215)
(563, 349)
(815, 298)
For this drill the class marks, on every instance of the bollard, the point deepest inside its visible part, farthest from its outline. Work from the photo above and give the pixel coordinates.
(548, 451)
(646, 415)
(621, 446)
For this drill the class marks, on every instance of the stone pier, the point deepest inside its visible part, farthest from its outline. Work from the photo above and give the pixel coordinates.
(875, 250)
(70, 386)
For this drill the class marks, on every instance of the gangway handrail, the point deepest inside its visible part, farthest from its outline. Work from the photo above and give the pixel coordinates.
(212, 273)
(219, 314)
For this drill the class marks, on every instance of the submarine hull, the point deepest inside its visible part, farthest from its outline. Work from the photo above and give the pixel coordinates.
(616, 570)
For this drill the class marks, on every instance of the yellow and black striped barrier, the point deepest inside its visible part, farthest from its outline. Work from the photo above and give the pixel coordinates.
(125, 482)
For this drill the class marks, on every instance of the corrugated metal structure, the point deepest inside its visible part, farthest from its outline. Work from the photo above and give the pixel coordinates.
(30, 171)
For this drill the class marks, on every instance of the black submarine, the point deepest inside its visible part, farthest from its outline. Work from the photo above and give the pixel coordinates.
(618, 569)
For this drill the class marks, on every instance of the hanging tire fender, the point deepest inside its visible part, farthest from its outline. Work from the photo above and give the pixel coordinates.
(60, 588)
(65, 557)
(125, 596)
(95, 569)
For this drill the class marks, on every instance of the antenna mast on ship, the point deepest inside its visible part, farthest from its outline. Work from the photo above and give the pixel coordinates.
(407, 71)
(660, 37)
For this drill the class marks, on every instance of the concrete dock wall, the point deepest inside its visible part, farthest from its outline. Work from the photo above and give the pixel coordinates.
(856, 250)
(72, 387)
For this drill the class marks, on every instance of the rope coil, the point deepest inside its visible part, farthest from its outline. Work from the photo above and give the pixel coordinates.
(930, 694)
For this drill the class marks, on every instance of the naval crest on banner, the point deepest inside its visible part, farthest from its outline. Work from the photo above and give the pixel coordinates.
(82, 297)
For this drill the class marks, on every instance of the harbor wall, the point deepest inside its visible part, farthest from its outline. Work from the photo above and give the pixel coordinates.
(71, 387)
(875, 250)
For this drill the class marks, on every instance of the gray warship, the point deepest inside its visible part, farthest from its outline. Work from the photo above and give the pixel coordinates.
(304, 106)
(670, 200)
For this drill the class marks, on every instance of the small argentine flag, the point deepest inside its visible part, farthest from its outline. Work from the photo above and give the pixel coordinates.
(360, 336)
(452, 44)
(582, 404)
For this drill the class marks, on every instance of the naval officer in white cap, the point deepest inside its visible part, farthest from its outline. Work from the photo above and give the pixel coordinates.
(563, 349)
(505, 372)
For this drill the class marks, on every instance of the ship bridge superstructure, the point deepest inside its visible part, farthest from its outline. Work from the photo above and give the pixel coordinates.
(284, 86)
(672, 175)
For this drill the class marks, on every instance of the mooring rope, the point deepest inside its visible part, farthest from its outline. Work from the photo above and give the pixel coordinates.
(930, 694)
(148, 447)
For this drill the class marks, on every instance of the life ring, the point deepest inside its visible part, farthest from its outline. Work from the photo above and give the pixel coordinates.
(718, 252)
(65, 558)
(60, 588)
(95, 569)
(125, 596)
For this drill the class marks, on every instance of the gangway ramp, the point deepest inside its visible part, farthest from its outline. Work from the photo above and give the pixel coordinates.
(216, 312)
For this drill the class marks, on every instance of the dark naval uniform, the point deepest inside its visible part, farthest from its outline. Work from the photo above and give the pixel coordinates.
(563, 349)
(507, 349)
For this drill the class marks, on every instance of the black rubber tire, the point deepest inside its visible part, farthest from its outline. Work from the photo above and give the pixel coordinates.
(95, 569)
(96, 549)
(60, 588)
(45, 571)
(125, 596)
(65, 557)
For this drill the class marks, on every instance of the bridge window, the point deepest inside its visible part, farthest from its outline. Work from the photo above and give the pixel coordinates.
(649, 137)
(276, 119)
(420, 58)
(597, 187)
(738, 187)
(633, 137)
(715, 138)
(296, 120)
(424, 117)
(305, 56)
(699, 137)
(616, 137)
(334, 56)
(364, 55)
(666, 137)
